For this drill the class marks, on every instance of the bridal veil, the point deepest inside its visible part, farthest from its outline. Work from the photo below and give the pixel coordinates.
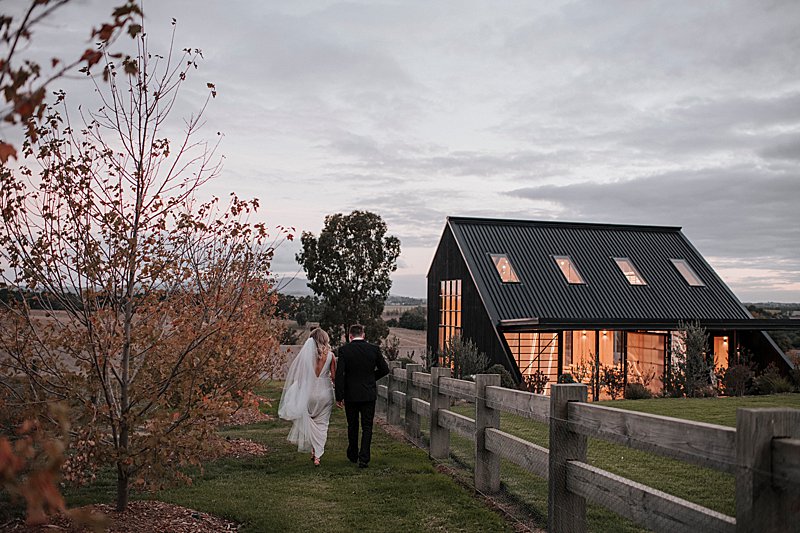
(296, 393)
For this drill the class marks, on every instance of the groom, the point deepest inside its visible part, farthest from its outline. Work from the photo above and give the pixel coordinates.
(359, 366)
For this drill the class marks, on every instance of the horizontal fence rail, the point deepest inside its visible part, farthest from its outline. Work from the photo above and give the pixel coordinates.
(457, 388)
(648, 507)
(525, 404)
(703, 444)
(463, 425)
(763, 451)
(422, 380)
(527, 455)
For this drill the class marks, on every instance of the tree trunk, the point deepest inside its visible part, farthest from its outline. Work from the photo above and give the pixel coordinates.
(123, 489)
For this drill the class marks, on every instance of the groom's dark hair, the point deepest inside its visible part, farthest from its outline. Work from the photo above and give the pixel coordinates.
(356, 330)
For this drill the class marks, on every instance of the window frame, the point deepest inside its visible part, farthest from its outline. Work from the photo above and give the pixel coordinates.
(690, 272)
(495, 258)
(572, 266)
(636, 273)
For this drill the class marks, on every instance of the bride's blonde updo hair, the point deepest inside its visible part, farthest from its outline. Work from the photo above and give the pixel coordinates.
(323, 342)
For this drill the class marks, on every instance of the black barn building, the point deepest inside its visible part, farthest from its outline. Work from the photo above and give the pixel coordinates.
(557, 298)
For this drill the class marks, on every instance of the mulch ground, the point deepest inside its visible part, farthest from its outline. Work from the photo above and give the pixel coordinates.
(153, 516)
(139, 517)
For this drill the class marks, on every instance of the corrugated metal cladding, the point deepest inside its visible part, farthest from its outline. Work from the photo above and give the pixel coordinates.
(544, 293)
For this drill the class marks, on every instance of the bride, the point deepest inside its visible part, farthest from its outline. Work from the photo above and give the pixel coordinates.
(308, 397)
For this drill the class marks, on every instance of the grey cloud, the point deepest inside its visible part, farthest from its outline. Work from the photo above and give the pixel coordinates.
(786, 147)
(730, 212)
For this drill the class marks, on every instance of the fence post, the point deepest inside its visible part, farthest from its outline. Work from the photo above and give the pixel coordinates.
(760, 504)
(382, 404)
(412, 418)
(440, 437)
(566, 512)
(393, 408)
(487, 464)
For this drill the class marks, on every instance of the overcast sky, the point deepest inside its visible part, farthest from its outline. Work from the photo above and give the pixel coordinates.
(660, 113)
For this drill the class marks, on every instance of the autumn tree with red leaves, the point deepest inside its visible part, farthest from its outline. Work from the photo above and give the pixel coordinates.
(24, 81)
(159, 307)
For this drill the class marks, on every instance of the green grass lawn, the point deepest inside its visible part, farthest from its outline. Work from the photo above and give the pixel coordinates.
(402, 491)
(283, 491)
(703, 486)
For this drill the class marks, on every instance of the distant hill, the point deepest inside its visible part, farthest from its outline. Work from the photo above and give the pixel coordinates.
(405, 300)
(298, 287)
(294, 287)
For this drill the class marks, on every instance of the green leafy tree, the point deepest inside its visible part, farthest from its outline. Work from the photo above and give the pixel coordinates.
(349, 266)
(413, 319)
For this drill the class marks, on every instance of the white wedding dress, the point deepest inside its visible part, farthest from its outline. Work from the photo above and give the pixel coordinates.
(307, 400)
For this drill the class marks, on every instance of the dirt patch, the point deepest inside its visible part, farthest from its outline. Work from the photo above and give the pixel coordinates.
(139, 517)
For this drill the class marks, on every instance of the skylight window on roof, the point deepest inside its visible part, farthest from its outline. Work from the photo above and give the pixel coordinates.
(630, 272)
(568, 269)
(687, 272)
(504, 268)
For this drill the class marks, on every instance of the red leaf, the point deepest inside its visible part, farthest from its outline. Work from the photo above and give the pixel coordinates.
(6, 151)
(92, 57)
(105, 32)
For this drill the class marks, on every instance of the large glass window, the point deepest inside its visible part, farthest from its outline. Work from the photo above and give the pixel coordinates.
(568, 269)
(449, 311)
(686, 271)
(535, 352)
(646, 359)
(504, 268)
(630, 272)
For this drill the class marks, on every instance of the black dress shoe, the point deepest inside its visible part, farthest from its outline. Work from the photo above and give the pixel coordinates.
(352, 459)
(362, 465)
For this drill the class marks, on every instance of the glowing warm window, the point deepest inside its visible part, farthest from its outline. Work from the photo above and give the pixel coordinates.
(449, 311)
(630, 272)
(504, 268)
(568, 269)
(687, 272)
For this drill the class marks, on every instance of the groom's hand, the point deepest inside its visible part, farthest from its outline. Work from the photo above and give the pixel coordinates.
(340, 404)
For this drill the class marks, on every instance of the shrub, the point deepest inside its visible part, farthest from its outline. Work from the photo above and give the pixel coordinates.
(464, 357)
(391, 323)
(391, 349)
(691, 371)
(566, 378)
(737, 380)
(637, 391)
(612, 380)
(771, 382)
(506, 380)
(706, 391)
(404, 361)
(536, 382)
(795, 373)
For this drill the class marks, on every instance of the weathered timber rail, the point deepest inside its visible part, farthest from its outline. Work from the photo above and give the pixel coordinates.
(763, 451)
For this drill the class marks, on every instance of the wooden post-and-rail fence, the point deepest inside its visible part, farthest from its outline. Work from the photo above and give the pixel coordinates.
(763, 451)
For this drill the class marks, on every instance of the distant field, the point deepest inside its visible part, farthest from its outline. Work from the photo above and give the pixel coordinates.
(394, 311)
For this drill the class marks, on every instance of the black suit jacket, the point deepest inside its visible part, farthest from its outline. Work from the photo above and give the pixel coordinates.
(359, 366)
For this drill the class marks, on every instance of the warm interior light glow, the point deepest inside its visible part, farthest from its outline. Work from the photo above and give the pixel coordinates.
(504, 268)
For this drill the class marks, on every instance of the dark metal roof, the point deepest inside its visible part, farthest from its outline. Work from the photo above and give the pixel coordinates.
(544, 294)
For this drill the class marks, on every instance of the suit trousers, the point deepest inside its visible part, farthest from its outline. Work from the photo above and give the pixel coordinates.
(354, 411)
